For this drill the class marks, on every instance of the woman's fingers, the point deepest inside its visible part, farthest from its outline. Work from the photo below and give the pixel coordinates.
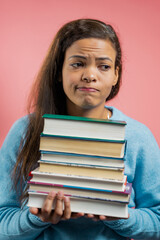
(58, 210)
(90, 215)
(101, 217)
(47, 207)
(67, 208)
(34, 210)
(76, 215)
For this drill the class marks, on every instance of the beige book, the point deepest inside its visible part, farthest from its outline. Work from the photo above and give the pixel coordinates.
(79, 170)
(98, 147)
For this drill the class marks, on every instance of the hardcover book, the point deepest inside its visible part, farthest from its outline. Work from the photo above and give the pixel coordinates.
(88, 146)
(79, 181)
(62, 157)
(86, 205)
(82, 170)
(83, 127)
(83, 191)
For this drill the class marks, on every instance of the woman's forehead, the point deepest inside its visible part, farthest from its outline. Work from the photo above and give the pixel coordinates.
(91, 47)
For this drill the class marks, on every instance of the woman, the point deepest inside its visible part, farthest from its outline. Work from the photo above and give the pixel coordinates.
(82, 70)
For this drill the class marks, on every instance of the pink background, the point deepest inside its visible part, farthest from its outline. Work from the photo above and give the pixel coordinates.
(27, 28)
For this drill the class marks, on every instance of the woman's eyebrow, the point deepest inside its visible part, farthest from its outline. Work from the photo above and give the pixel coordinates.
(104, 58)
(99, 58)
(77, 56)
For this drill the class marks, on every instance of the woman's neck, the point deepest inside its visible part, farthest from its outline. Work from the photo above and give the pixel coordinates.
(101, 113)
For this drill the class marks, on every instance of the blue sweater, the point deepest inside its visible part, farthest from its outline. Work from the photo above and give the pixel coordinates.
(142, 168)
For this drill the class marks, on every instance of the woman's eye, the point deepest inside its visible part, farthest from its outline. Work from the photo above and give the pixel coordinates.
(77, 65)
(104, 67)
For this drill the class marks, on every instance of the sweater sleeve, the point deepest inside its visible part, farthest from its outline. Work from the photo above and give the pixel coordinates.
(15, 222)
(144, 220)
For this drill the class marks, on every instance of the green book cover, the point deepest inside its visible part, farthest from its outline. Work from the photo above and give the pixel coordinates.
(85, 119)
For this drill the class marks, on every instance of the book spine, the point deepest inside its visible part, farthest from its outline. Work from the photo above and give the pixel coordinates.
(83, 138)
(82, 165)
(126, 191)
(82, 119)
(82, 197)
(80, 155)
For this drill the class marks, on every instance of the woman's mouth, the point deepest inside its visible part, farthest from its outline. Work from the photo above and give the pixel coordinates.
(87, 89)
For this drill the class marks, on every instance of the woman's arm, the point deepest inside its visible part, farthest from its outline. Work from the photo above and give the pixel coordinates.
(15, 223)
(144, 220)
(24, 223)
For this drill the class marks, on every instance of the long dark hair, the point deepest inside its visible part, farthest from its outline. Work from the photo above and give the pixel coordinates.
(47, 95)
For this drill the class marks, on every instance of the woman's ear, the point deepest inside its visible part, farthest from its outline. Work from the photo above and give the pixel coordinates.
(116, 76)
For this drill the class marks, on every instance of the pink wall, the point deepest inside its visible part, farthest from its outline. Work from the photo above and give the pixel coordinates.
(27, 28)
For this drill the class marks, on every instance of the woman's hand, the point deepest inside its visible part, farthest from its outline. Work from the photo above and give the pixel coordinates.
(103, 218)
(47, 214)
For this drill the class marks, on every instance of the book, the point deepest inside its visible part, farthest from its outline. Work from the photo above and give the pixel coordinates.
(81, 170)
(83, 127)
(73, 191)
(85, 159)
(86, 205)
(62, 157)
(79, 181)
(88, 146)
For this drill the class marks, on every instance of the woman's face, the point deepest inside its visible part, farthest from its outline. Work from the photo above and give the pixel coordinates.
(89, 73)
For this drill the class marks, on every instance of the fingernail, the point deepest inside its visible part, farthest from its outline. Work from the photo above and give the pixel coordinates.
(60, 194)
(66, 199)
(52, 194)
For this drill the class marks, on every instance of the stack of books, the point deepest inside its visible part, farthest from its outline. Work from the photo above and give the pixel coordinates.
(84, 158)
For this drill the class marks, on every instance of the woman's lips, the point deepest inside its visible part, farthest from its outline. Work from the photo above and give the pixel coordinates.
(87, 89)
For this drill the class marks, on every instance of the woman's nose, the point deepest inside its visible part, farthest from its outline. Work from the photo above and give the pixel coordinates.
(89, 76)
